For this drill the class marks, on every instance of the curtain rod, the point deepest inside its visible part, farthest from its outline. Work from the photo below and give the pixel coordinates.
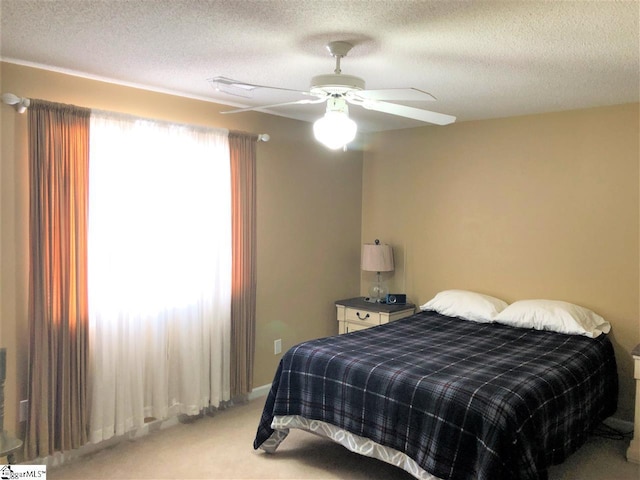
(22, 103)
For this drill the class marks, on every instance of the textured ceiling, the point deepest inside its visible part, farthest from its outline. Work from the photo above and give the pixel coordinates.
(480, 59)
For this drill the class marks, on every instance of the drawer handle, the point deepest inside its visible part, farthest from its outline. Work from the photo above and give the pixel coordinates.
(362, 318)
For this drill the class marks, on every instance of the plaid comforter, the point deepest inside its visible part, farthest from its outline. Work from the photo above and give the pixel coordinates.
(465, 400)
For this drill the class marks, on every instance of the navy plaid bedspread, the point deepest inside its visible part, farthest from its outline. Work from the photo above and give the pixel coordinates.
(465, 400)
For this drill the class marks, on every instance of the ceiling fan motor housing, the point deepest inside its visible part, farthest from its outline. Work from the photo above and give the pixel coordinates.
(336, 84)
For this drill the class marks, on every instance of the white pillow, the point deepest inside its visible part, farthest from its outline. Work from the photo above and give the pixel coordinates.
(554, 315)
(464, 304)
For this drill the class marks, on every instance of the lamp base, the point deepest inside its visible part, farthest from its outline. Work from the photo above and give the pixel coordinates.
(377, 292)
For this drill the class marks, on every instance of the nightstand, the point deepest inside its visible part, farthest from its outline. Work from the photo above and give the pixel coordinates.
(356, 314)
(633, 452)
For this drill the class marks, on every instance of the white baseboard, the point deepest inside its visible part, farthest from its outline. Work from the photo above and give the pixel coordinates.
(261, 391)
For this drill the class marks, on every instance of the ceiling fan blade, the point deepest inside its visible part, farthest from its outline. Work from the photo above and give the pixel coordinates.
(409, 112)
(397, 94)
(304, 101)
(243, 89)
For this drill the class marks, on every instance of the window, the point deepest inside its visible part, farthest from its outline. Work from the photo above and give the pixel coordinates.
(159, 262)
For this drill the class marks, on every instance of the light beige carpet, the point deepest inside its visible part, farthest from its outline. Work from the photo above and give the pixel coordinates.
(220, 447)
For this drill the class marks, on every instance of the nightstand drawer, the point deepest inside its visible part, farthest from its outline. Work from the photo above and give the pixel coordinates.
(356, 314)
(362, 316)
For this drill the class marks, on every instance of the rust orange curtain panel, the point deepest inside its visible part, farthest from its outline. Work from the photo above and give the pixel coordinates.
(58, 310)
(243, 280)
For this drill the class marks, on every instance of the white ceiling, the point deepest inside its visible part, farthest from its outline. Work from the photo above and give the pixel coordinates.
(480, 59)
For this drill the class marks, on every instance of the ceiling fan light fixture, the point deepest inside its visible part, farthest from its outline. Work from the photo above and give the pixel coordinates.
(335, 129)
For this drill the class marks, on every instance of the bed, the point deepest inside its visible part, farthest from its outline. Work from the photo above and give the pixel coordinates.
(444, 397)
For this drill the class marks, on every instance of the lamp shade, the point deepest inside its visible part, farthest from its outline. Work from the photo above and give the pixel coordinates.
(377, 258)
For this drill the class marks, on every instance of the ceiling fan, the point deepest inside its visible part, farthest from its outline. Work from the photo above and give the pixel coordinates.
(338, 89)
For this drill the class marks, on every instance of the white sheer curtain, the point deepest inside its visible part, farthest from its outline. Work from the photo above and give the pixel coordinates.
(159, 271)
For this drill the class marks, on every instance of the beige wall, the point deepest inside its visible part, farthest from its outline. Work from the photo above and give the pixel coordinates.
(542, 206)
(309, 208)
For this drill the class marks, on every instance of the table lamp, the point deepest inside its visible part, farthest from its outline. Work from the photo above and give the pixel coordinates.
(378, 258)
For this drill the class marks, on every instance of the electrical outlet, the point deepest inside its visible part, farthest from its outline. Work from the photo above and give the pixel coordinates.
(277, 346)
(24, 410)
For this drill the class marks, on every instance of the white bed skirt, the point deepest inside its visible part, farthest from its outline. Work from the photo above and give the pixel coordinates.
(354, 443)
